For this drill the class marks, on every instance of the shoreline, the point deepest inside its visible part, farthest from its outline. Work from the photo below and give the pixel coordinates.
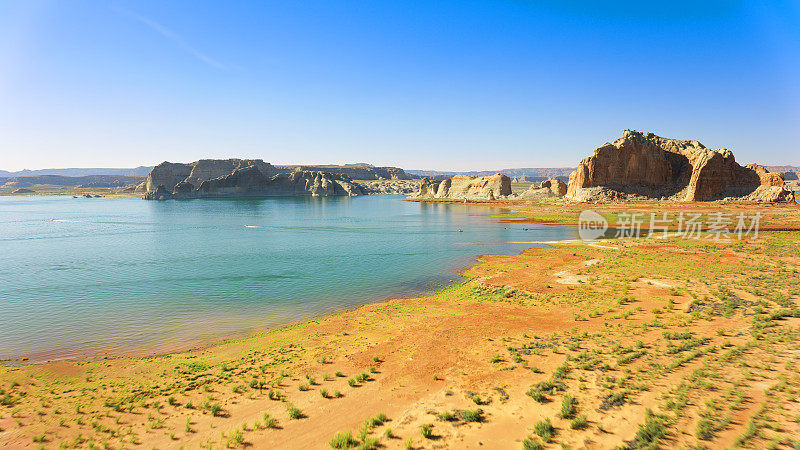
(66, 355)
(211, 342)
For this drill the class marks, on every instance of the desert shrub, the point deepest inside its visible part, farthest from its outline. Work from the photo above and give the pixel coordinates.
(471, 415)
(579, 422)
(269, 421)
(369, 443)
(343, 441)
(613, 399)
(426, 431)
(561, 372)
(215, 409)
(536, 395)
(532, 444)
(447, 416)
(235, 438)
(294, 412)
(378, 420)
(550, 386)
(568, 406)
(651, 431)
(544, 429)
(705, 429)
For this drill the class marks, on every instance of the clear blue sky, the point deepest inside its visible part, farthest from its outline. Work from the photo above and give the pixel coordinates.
(417, 84)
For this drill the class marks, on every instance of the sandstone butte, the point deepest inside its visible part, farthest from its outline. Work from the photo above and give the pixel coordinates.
(639, 165)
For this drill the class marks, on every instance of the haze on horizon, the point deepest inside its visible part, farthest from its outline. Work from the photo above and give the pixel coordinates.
(448, 85)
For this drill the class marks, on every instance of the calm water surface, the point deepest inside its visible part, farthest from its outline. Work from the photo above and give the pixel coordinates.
(129, 276)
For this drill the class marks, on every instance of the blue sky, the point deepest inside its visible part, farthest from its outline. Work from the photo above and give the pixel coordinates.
(417, 84)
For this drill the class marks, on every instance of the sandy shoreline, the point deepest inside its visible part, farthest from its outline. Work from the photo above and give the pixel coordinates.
(188, 343)
(602, 320)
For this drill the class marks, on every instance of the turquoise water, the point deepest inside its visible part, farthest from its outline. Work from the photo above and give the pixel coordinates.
(129, 276)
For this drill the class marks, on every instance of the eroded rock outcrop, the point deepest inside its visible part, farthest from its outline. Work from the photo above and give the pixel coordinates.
(465, 187)
(237, 177)
(169, 174)
(549, 188)
(646, 166)
(389, 186)
(355, 171)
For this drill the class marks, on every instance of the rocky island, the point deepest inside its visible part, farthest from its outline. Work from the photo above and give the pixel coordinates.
(241, 177)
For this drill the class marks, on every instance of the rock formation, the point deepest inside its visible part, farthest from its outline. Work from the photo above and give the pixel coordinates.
(355, 171)
(169, 174)
(790, 176)
(389, 186)
(641, 166)
(552, 187)
(466, 187)
(237, 177)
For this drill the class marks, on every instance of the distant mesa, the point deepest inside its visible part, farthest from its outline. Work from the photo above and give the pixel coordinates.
(523, 179)
(241, 177)
(640, 166)
(60, 181)
(140, 172)
(791, 175)
(518, 175)
(23, 191)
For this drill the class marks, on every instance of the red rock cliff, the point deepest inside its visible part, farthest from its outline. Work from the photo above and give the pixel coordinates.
(649, 166)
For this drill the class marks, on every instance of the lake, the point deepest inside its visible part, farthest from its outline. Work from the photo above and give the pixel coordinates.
(129, 276)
